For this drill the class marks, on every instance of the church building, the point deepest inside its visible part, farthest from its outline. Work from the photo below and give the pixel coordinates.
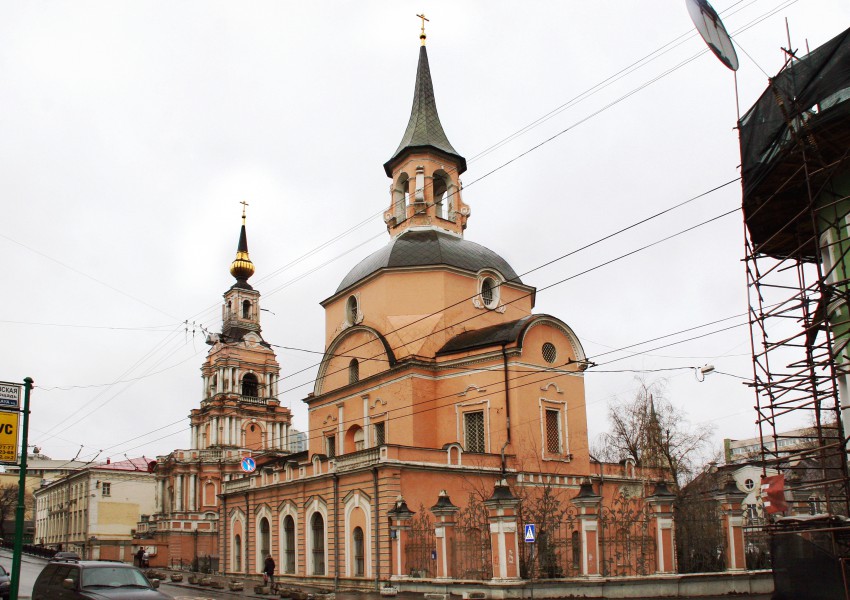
(445, 414)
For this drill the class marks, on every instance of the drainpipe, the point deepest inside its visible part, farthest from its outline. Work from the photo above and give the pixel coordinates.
(507, 397)
(376, 538)
(336, 532)
(247, 545)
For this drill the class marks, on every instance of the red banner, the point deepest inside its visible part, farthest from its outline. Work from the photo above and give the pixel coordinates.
(773, 493)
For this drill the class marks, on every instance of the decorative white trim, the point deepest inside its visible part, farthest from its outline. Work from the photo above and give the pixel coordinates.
(352, 502)
(287, 508)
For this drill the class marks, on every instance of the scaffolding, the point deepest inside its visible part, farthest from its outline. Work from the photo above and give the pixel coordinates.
(795, 151)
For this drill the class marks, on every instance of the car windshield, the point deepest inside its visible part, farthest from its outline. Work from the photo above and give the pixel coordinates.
(113, 577)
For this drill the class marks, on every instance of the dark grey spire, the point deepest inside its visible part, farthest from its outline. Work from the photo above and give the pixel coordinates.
(424, 129)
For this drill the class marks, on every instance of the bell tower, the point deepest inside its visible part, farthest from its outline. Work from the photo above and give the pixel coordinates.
(425, 168)
(240, 406)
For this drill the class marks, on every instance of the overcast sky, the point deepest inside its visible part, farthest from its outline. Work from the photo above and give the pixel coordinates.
(130, 132)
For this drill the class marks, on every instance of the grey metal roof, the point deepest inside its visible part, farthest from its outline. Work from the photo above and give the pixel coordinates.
(495, 335)
(425, 247)
(424, 129)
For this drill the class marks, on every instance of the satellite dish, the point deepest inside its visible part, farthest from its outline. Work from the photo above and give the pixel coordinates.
(711, 28)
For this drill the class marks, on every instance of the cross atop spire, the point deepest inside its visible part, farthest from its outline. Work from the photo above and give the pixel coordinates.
(244, 206)
(422, 35)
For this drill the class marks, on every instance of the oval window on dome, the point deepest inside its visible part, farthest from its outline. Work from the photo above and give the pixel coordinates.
(351, 310)
(490, 292)
(550, 353)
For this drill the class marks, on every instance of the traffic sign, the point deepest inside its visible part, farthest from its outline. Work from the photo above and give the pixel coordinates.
(9, 437)
(530, 533)
(10, 396)
(249, 465)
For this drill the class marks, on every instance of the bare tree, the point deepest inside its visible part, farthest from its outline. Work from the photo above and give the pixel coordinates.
(8, 504)
(650, 431)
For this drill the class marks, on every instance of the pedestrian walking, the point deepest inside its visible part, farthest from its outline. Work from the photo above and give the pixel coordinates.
(139, 557)
(268, 570)
(145, 558)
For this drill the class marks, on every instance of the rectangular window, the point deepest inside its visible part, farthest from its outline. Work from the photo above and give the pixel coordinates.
(331, 449)
(473, 426)
(553, 431)
(380, 434)
(105, 489)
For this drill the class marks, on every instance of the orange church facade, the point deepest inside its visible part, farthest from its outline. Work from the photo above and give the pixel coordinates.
(446, 415)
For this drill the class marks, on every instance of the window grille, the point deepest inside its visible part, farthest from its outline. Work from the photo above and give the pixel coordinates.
(318, 527)
(487, 292)
(474, 429)
(353, 371)
(550, 353)
(331, 446)
(289, 544)
(553, 431)
(380, 434)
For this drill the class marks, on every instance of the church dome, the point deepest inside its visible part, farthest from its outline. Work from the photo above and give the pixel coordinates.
(429, 247)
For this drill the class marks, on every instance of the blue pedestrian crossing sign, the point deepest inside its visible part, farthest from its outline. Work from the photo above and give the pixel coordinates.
(248, 464)
(530, 533)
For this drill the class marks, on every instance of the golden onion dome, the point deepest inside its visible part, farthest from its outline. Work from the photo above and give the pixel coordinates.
(242, 267)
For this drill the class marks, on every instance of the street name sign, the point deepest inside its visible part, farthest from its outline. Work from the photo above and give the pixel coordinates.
(9, 437)
(248, 464)
(530, 533)
(10, 396)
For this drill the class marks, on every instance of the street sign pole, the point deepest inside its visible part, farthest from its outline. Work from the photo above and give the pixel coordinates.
(22, 486)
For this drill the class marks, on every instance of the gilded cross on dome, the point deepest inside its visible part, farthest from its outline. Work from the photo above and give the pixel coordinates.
(422, 35)
(244, 206)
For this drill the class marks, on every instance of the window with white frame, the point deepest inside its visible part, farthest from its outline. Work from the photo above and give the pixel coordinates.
(105, 489)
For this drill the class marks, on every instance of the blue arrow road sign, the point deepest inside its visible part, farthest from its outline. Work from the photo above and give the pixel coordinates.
(248, 464)
(530, 533)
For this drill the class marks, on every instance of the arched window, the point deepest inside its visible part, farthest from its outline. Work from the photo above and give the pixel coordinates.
(353, 371)
(401, 198)
(317, 525)
(237, 553)
(250, 385)
(229, 308)
(288, 545)
(246, 309)
(265, 538)
(442, 196)
(576, 544)
(359, 567)
(358, 440)
(351, 310)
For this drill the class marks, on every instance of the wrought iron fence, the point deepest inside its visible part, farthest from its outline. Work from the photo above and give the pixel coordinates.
(557, 550)
(700, 542)
(627, 543)
(471, 549)
(421, 548)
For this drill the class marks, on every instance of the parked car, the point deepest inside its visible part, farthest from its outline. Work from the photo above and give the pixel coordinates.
(5, 583)
(94, 580)
(65, 556)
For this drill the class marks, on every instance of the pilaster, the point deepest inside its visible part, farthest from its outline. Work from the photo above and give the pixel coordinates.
(504, 542)
(400, 517)
(444, 532)
(661, 506)
(730, 499)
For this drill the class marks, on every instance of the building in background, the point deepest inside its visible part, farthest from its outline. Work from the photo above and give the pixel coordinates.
(94, 510)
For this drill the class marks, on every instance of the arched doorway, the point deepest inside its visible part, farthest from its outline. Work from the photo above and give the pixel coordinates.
(250, 385)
